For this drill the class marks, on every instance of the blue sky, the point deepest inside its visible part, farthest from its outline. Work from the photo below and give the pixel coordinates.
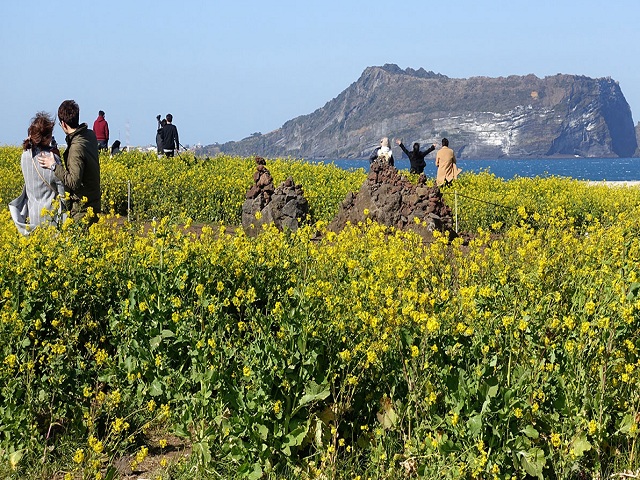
(228, 69)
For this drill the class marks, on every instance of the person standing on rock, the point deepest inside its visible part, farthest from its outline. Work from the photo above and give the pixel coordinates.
(446, 163)
(382, 153)
(416, 157)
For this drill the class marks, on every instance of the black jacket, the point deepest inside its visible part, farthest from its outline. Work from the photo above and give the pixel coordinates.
(416, 159)
(170, 137)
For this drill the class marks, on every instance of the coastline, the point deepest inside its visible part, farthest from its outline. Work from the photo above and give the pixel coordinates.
(615, 183)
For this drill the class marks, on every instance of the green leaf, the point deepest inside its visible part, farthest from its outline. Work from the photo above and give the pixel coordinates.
(155, 342)
(313, 393)
(580, 445)
(181, 431)
(156, 388)
(474, 425)
(633, 291)
(202, 449)
(256, 473)
(530, 432)
(626, 423)
(492, 391)
(533, 462)
(15, 457)
(296, 436)
(111, 474)
(387, 417)
(263, 431)
(302, 345)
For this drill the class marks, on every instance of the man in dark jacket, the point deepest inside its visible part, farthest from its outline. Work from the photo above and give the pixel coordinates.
(101, 129)
(80, 169)
(416, 157)
(170, 141)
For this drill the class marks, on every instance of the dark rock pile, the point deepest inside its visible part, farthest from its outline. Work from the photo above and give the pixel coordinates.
(391, 199)
(285, 206)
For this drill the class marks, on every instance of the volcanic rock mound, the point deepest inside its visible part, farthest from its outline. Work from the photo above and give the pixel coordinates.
(284, 206)
(390, 199)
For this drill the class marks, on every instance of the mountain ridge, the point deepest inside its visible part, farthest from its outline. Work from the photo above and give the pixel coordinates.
(483, 117)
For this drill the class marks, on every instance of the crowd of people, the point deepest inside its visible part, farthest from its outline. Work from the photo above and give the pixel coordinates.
(445, 159)
(69, 184)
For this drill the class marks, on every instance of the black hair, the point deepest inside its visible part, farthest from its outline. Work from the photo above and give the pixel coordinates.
(69, 113)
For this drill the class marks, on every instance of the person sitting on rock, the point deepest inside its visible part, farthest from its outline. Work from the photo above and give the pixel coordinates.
(416, 157)
(382, 153)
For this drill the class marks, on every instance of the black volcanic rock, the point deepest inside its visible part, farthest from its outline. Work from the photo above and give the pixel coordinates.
(515, 116)
(388, 198)
(285, 206)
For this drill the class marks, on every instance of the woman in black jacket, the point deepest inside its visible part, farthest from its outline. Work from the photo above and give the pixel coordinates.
(416, 157)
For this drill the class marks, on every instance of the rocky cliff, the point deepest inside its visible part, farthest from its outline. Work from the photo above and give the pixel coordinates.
(516, 116)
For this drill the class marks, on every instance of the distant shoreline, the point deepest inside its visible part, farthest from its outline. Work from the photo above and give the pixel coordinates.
(617, 183)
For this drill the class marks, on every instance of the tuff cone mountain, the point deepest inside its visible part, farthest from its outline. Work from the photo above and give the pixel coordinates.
(515, 116)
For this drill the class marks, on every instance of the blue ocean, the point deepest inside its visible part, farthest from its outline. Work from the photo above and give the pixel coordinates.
(594, 169)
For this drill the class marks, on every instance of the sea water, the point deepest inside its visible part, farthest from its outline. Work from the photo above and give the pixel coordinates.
(594, 169)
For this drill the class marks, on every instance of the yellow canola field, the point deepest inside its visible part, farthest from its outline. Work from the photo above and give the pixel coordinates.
(315, 352)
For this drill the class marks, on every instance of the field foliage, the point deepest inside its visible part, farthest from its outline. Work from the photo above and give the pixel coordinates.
(367, 352)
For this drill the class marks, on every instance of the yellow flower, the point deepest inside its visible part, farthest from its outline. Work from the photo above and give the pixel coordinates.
(142, 454)
(120, 425)
(590, 308)
(555, 440)
(454, 419)
(78, 457)
(96, 445)
(101, 356)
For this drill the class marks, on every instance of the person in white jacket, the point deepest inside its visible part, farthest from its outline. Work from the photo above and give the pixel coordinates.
(383, 153)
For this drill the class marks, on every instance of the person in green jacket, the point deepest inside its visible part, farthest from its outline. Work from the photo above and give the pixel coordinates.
(80, 169)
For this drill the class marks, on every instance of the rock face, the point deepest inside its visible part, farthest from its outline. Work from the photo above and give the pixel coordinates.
(515, 116)
(390, 199)
(284, 206)
(638, 139)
